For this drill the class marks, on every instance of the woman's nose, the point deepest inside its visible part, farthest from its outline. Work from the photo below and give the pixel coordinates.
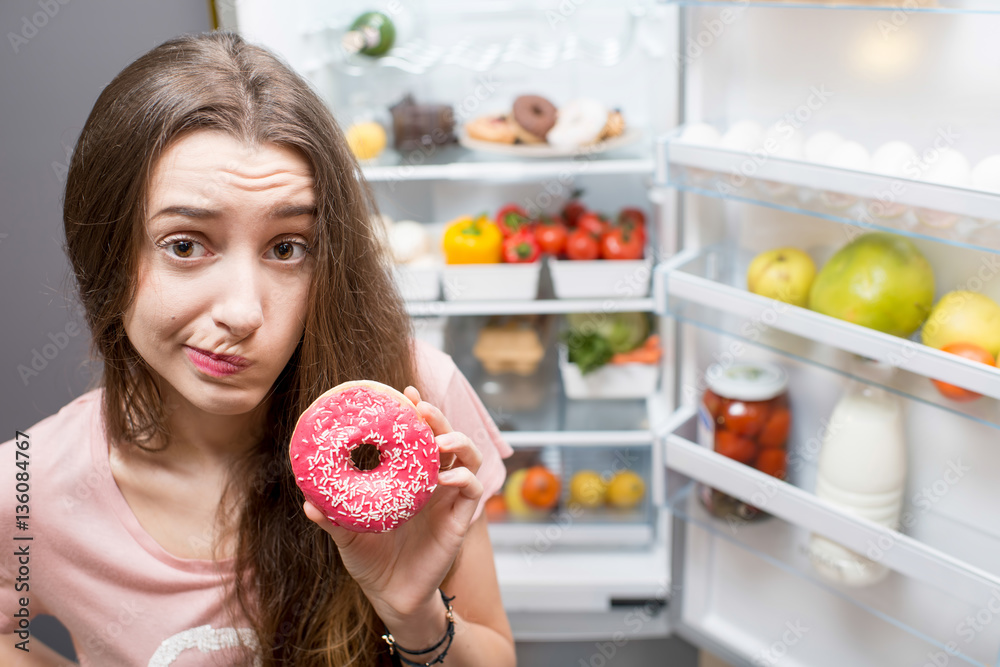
(239, 298)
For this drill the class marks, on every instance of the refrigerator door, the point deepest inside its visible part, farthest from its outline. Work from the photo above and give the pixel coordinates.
(759, 592)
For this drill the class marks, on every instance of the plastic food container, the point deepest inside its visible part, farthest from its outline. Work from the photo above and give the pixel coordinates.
(612, 381)
(491, 282)
(744, 414)
(419, 282)
(600, 278)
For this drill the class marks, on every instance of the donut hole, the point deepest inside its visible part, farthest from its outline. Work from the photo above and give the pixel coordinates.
(365, 456)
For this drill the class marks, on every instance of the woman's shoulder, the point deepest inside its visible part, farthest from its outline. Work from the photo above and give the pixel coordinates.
(58, 438)
(436, 370)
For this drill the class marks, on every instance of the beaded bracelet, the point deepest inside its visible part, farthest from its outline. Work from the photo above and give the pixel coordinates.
(449, 636)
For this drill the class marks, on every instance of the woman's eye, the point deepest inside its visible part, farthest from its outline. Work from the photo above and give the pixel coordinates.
(184, 248)
(288, 250)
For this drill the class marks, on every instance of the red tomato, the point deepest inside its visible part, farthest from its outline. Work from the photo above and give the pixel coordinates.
(746, 418)
(573, 210)
(511, 219)
(521, 248)
(773, 462)
(496, 509)
(621, 243)
(969, 351)
(713, 402)
(735, 447)
(593, 223)
(581, 244)
(551, 235)
(775, 432)
(633, 216)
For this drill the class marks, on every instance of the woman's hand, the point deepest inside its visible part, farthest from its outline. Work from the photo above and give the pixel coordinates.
(401, 570)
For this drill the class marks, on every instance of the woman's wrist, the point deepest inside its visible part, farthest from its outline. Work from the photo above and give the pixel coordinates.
(419, 628)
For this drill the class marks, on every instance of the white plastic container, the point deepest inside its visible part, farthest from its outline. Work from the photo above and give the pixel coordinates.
(600, 278)
(618, 381)
(491, 282)
(862, 470)
(419, 282)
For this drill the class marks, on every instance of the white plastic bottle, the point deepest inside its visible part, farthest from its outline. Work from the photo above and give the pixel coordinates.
(862, 470)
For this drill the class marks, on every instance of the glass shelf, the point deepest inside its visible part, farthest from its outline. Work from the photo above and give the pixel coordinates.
(918, 6)
(938, 572)
(532, 307)
(708, 287)
(570, 525)
(901, 621)
(457, 163)
(961, 217)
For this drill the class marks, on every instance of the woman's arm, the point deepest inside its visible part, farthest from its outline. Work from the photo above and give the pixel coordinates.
(40, 655)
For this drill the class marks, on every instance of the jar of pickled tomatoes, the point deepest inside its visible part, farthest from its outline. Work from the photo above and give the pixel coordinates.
(744, 415)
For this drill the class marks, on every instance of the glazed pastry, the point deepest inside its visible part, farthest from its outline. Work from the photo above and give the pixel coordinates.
(614, 127)
(491, 128)
(521, 135)
(535, 115)
(580, 122)
(421, 125)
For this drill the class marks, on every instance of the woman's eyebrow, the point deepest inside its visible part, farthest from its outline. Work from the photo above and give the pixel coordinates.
(194, 212)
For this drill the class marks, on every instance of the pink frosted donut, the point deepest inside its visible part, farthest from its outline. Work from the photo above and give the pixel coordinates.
(346, 417)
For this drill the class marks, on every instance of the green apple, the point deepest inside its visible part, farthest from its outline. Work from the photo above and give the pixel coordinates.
(964, 317)
(785, 274)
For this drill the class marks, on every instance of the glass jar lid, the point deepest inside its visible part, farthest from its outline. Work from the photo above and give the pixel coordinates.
(747, 381)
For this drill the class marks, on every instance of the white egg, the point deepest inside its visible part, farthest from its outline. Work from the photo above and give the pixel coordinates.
(699, 134)
(986, 175)
(409, 240)
(849, 155)
(783, 141)
(819, 146)
(891, 158)
(949, 167)
(745, 136)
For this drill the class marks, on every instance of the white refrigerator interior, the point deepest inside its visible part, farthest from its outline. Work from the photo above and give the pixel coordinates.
(684, 74)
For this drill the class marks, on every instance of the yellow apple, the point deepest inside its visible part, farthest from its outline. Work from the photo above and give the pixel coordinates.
(964, 317)
(587, 489)
(626, 490)
(785, 274)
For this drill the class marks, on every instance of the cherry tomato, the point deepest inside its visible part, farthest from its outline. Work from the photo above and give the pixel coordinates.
(521, 248)
(773, 462)
(731, 445)
(581, 244)
(968, 351)
(551, 235)
(621, 243)
(746, 418)
(775, 432)
(713, 402)
(573, 210)
(633, 216)
(541, 488)
(512, 219)
(593, 223)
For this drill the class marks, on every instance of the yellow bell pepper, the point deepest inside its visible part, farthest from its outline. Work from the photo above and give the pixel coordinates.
(472, 241)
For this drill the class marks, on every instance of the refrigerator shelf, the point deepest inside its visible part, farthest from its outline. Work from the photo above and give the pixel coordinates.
(956, 588)
(924, 6)
(529, 307)
(960, 217)
(453, 163)
(526, 439)
(596, 534)
(694, 277)
(730, 571)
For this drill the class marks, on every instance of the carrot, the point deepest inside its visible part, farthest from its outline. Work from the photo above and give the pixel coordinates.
(648, 353)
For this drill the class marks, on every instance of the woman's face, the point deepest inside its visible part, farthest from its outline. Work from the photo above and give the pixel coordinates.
(224, 271)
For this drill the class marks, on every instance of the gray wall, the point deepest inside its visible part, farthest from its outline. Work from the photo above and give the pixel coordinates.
(63, 53)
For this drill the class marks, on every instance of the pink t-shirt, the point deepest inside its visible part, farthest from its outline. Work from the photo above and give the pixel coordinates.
(125, 599)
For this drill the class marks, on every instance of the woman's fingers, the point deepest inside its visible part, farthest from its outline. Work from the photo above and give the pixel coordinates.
(411, 393)
(469, 488)
(341, 536)
(457, 449)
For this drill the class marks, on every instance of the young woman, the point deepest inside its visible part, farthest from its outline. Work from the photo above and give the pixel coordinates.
(226, 259)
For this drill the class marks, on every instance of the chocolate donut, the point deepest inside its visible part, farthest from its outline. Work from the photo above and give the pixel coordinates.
(535, 114)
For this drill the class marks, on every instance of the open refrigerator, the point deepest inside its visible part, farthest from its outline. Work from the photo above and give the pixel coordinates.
(919, 71)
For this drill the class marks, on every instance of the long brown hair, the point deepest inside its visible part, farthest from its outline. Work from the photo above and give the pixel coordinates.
(305, 609)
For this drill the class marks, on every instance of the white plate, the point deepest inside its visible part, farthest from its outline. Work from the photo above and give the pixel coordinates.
(630, 136)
